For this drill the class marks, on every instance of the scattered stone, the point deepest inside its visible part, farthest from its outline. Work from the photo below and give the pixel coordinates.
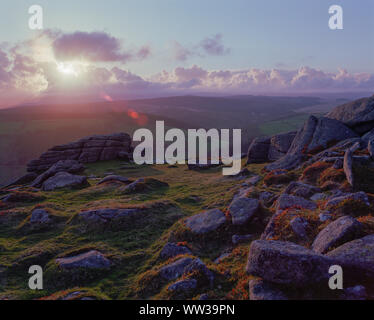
(183, 286)
(300, 189)
(286, 201)
(114, 178)
(207, 221)
(171, 250)
(143, 185)
(69, 166)
(237, 239)
(184, 266)
(253, 180)
(356, 257)
(107, 215)
(299, 226)
(323, 217)
(40, 216)
(266, 196)
(242, 210)
(287, 263)
(338, 164)
(64, 180)
(318, 196)
(358, 196)
(262, 290)
(91, 260)
(336, 233)
(355, 293)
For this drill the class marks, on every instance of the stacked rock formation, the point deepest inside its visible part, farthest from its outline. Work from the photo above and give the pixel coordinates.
(86, 150)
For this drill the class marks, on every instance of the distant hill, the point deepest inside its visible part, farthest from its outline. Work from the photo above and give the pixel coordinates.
(26, 131)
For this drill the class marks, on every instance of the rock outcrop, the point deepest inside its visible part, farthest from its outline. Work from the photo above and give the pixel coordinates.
(358, 114)
(317, 134)
(266, 149)
(91, 149)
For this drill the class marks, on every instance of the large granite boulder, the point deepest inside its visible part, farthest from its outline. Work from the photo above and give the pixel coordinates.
(287, 263)
(87, 150)
(316, 134)
(336, 233)
(64, 180)
(358, 114)
(206, 222)
(356, 257)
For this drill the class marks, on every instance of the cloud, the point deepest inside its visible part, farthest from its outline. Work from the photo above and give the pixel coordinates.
(180, 52)
(214, 46)
(94, 47)
(209, 46)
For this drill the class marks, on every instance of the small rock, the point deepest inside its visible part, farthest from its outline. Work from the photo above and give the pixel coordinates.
(300, 189)
(183, 286)
(91, 260)
(64, 180)
(299, 226)
(171, 250)
(242, 210)
(358, 196)
(40, 216)
(207, 221)
(286, 201)
(338, 164)
(236, 239)
(318, 196)
(324, 217)
(204, 296)
(355, 293)
(114, 178)
(262, 290)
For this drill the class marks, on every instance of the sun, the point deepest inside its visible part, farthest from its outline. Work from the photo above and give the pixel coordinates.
(67, 68)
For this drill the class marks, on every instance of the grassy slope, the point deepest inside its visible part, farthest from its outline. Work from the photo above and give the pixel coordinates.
(136, 248)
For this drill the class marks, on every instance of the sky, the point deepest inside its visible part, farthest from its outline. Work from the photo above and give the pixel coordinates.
(142, 48)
